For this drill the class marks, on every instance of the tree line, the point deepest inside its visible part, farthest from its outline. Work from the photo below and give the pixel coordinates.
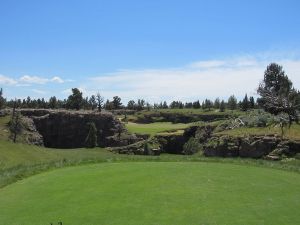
(76, 101)
(277, 94)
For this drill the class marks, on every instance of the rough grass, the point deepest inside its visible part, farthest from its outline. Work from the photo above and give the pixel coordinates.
(290, 133)
(18, 161)
(154, 193)
(4, 131)
(12, 155)
(193, 111)
(155, 128)
(156, 117)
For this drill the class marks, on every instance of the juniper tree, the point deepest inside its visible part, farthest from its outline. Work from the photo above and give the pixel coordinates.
(217, 103)
(278, 94)
(91, 139)
(245, 103)
(100, 101)
(15, 124)
(92, 102)
(2, 100)
(232, 102)
(75, 100)
(222, 106)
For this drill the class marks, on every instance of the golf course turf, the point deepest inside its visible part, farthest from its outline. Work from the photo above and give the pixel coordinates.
(154, 193)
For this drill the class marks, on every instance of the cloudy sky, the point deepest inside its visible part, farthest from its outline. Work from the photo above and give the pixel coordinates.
(156, 50)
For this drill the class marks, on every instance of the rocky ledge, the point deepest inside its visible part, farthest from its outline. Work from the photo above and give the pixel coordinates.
(68, 129)
(269, 147)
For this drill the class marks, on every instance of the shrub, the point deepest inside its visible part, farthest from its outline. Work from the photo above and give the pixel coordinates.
(191, 146)
(91, 139)
(203, 133)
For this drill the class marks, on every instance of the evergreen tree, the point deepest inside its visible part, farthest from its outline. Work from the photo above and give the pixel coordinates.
(278, 94)
(53, 102)
(91, 139)
(93, 102)
(208, 104)
(131, 105)
(27, 103)
(75, 100)
(222, 106)
(232, 102)
(2, 100)
(100, 101)
(165, 105)
(251, 103)
(140, 104)
(116, 102)
(196, 105)
(15, 124)
(217, 103)
(245, 103)
(188, 105)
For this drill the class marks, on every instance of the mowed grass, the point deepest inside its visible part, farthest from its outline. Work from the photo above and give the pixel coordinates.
(154, 128)
(154, 193)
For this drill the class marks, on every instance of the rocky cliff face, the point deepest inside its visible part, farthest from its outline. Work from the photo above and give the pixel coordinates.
(68, 129)
(269, 147)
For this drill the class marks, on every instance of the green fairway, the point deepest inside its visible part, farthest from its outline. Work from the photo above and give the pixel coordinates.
(154, 193)
(155, 128)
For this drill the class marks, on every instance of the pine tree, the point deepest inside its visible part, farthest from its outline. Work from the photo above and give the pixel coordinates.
(222, 106)
(232, 102)
(245, 103)
(251, 103)
(217, 103)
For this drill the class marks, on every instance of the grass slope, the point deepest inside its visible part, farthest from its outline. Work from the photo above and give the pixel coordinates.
(12, 155)
(154, 193)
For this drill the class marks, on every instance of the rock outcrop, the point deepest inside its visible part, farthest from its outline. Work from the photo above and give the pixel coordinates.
(30, 133)
(68, 129)
(257, 147)
(269, 147)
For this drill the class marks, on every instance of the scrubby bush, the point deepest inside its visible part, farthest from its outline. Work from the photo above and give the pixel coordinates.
(192, 146)
(254, 119)
(203, 133)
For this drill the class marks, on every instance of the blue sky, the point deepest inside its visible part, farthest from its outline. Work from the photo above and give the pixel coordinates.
(158, 50)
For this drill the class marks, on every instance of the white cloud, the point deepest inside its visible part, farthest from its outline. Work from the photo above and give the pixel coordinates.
(208, 64)
(39, 80)
(57, 80)
(198, 80)
(7, 80)
(33, 79)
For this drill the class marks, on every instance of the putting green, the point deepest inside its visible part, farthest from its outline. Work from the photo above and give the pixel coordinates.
(154, 193)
